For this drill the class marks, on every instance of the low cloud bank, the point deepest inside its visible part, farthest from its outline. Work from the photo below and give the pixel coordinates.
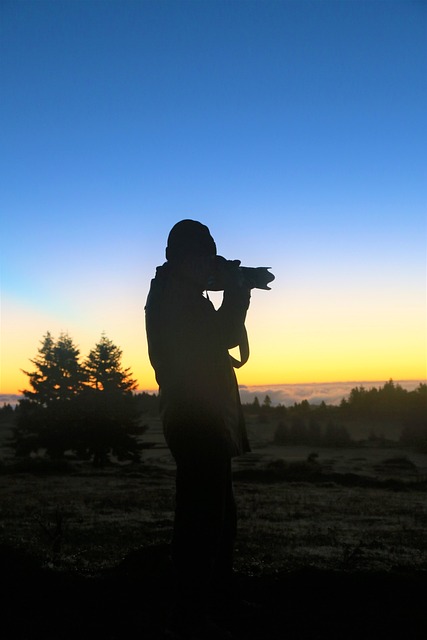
(287, 394)
(315, 393)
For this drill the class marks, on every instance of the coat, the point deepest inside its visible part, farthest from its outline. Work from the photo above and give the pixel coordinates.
(188, 343)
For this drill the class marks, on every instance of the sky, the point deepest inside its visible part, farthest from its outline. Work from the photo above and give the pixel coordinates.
(295, 130)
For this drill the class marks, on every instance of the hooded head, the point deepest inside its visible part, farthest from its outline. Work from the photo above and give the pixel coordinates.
(189, 239)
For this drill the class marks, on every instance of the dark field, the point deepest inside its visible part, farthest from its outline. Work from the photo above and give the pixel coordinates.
(332, 543)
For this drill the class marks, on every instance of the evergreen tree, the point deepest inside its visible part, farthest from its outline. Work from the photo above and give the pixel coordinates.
(48, 415)
(104, 369)
(110, 410)
(281, 435)
(58, 374)
(267, 402)
(88, 409)
(6, 413)
(265, 410)
(414, 432)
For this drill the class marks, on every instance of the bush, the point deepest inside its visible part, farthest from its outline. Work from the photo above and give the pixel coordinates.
(38, 466)
(311, 432)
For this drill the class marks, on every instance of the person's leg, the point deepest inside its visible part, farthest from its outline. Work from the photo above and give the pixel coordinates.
(202, 497)
(223, 568)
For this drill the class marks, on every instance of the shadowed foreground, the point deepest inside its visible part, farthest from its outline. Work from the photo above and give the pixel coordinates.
(132, 599)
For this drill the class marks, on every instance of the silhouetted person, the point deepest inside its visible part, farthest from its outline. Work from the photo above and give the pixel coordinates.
(188, 343)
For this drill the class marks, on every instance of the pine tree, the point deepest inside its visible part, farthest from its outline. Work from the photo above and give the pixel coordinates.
(104, 369)
(267, 402)
(58, 374)
(87, 408)
(110, 408)
(48, 416)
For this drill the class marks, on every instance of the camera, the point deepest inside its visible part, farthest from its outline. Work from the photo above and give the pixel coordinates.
(252, 277)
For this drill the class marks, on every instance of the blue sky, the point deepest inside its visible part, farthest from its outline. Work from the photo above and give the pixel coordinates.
(295, 130)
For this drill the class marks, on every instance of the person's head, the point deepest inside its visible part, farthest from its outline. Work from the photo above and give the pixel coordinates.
(191, 250)
(189, 238)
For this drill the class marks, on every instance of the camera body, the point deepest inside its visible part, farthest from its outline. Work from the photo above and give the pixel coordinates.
(227, 270)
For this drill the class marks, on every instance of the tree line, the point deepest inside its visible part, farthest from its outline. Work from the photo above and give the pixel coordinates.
(322, 424)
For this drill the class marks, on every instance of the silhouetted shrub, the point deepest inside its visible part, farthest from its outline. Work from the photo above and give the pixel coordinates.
(414, 435)
(336, 435)
(39, 466)
(311, 433)
(281, 435)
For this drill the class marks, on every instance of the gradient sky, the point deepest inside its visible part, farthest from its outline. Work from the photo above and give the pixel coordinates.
(295, 130)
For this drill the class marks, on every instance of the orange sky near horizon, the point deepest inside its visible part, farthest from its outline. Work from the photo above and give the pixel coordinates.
(288, 344)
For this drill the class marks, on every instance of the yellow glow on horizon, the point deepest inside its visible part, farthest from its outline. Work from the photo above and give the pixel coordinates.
(318, 342)
(290, 342)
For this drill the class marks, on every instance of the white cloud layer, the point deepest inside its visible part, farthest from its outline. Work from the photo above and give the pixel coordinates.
(315, 393)
(288, 394)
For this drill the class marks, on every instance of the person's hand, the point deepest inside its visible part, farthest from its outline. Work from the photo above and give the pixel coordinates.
(228, 273)
(197, 269)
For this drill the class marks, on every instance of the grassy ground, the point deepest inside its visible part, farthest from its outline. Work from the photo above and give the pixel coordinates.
(331, 544)
(359, 508)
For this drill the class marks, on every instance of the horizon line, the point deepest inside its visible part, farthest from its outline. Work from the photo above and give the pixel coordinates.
(281, 384)
(278, 384)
